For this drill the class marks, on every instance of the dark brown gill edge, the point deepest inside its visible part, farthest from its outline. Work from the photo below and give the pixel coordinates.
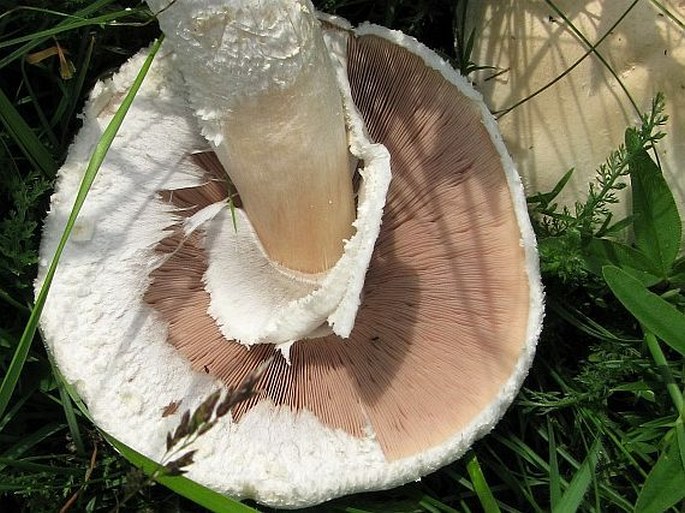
(445, 308)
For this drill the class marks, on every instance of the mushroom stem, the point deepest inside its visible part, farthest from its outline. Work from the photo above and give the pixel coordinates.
(265, 94)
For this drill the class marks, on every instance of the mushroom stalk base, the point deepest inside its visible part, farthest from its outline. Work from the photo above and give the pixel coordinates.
(269, 304)
(263, 88)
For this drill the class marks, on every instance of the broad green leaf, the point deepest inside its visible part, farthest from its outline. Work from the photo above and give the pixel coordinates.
(655, 314)
(665, 484)
(656, 224)
(573, 496)
(601, 252)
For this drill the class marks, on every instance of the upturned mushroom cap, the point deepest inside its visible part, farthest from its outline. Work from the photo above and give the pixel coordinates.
(448, 317)
(581, 118)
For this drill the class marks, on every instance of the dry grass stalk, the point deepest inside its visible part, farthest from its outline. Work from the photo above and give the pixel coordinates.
(196, 423)
(204, 418)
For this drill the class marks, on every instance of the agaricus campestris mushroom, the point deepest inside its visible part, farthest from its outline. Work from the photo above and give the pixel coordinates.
(575, 123)
(379, 376)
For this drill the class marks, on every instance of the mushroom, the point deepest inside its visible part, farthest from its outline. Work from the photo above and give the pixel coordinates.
(389, 361)
(577, 121)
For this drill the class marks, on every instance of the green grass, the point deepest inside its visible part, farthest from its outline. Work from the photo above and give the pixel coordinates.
(598, 425)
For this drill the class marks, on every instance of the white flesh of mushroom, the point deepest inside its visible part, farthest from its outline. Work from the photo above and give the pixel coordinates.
(107, 350)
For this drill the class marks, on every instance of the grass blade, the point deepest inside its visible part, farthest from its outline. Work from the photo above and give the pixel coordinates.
(62, 27)
(83, 13)
(17, 406)
(70, 415)
(29, 143)
(592, 47)
(575, 64)
(183, 486)
(480, 485)
(30, 441)
(573, 496)
(77, 85)
(545, 199)
(673, 391)
(14, 370)
(554, 476)
(4, 296)
(37, 467)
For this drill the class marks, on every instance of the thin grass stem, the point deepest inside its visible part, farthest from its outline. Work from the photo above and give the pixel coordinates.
(665, 370)
(594, 50)
(501, 113)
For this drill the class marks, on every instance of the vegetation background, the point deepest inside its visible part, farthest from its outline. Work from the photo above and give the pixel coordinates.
(598, 425)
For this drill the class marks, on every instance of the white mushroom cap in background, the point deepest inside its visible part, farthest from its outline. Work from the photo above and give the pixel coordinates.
(445, 333)
(580, 119)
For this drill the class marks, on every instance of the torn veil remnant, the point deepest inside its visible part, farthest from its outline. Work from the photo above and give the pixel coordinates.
(380, 385)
